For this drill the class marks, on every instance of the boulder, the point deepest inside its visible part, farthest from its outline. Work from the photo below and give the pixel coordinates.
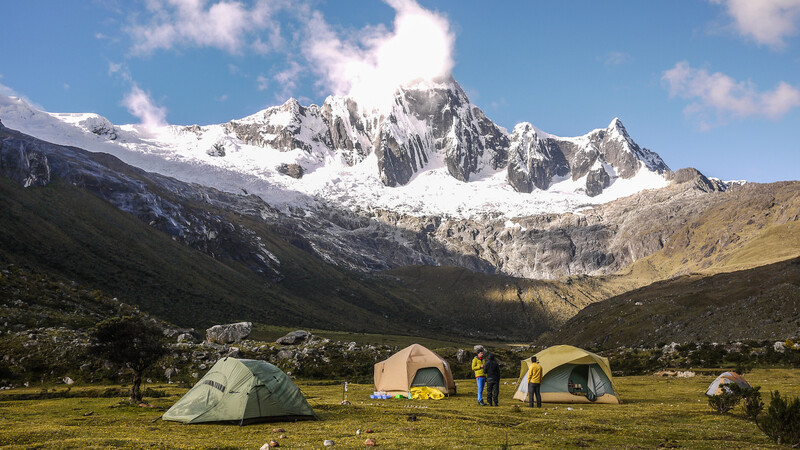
(295, 337)
(186, 337)
(232, 332)
(170, 372)
(285, 354)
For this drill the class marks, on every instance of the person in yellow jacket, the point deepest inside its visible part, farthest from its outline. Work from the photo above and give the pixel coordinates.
(534, 383)
(480, 376)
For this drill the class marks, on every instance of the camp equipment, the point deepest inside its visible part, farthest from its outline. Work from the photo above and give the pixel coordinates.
(570, 375)
(413, 366)
(243, 391)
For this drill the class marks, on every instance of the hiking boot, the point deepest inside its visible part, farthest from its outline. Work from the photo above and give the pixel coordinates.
(481, 403)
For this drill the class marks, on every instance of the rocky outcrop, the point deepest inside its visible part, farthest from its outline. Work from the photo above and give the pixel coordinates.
(287, 127)
(23, 161)
(100, 126)
(232, 332)
(292, 170)
(293, 338)
(535, 159)
(692, 175)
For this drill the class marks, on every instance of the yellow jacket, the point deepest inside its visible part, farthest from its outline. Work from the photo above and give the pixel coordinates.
(477, 366)
(535, 373)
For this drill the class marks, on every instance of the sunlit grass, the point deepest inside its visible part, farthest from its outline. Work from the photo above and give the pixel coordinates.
(656, 412)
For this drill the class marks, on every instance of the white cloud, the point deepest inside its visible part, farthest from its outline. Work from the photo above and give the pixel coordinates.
(120, 70)
(718, 96)
(287, 79)
(262, 83)
(226, 25)
(616, 58)
(370, 65)
(141, 106)
(768, 22)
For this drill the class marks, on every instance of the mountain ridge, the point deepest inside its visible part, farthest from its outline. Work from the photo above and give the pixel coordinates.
(432, 152)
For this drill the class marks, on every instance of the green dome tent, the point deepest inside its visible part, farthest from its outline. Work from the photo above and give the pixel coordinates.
(244, 391)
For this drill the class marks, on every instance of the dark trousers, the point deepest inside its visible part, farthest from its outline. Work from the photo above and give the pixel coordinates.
(534, 389)
(493, 391)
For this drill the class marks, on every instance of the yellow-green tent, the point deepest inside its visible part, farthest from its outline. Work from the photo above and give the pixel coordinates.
(570, 375)
(243, 391)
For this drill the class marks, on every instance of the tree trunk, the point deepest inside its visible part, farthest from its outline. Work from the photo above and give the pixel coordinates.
(136, 392)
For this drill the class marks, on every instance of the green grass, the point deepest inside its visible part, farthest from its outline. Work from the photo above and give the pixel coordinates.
(656, 412)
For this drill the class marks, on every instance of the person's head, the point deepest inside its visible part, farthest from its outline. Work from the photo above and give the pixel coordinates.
(490, 357)
(480, 354)
(533, 359)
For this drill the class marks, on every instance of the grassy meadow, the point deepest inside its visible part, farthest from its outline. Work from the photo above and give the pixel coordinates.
(657, 412)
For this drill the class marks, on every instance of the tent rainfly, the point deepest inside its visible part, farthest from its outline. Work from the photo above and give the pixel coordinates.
(716, 386)
(414, 366)
(244, 391)
(570, 375)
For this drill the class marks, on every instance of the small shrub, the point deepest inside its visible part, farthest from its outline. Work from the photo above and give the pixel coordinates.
(753, 405)
(781, 423)
(732, 394)
(725, 401)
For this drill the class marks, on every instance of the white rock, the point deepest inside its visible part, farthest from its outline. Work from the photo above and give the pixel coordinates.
(232, 332)
(327, 443)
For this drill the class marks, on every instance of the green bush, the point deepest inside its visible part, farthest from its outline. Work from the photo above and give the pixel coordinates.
(781, 423)
(753, 405)
(725, 401)
(733, 394)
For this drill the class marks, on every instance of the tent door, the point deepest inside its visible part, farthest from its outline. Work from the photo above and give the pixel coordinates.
(595, 383)
(428, 376)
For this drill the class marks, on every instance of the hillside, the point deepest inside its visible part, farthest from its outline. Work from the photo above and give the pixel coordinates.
(744, 227)
(754, 304)
(66, 233)
(197, 256)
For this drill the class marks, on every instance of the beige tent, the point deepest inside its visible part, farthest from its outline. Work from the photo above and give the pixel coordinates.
(570, 375)
(412, 366)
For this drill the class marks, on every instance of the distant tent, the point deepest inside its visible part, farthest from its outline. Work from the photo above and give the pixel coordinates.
(244, 391)
(716, 387)
(413, 366)
(570, 375)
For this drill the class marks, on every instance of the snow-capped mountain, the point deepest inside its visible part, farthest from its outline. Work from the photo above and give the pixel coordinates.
(432, 152)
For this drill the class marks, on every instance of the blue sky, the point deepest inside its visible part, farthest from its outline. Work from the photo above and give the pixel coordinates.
(710, 84)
